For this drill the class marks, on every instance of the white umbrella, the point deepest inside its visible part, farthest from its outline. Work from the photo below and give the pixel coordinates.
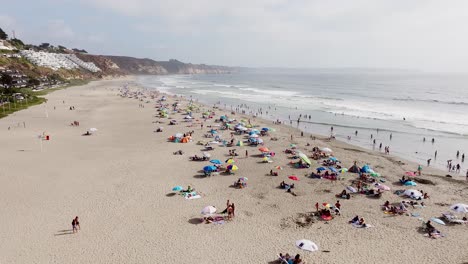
(413, 193)
(178, 135)
(188, 117)
(306, 245)
(206, 154)
(253, 136)
(208, 210)
(437, 220)
(328, 150)
(93, 129)
(459, 208)
(382, 187)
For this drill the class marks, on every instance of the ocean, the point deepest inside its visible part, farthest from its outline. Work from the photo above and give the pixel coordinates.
(396, 108)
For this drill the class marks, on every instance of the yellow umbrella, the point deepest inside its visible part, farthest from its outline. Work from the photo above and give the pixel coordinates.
(230, 161)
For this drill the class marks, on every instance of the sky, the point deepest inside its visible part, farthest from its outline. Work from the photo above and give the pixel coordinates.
(417, 34)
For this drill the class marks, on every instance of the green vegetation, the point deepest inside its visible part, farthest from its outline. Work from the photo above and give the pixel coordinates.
(31, 98)
(3, 35)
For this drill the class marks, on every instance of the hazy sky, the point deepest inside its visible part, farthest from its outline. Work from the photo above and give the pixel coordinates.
(415, 34)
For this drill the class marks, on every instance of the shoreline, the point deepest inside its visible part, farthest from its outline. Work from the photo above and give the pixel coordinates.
(119, 181)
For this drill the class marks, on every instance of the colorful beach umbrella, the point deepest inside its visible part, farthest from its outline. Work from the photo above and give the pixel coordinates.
(263, 149)
(306, 245)
(304, 158)
(240, 143)
(243, 179)
(294, 178)
(410, 173)
(382, 187)
(230, 161)
(333, 159)
(326, 150)
(232, 167)
(278, 167)
(209, 168)
(342, 170)
(216, 161)
(321, 169)
(375, 174)
(333, 169)
(438, 221)
(177, 188)
(208, 210)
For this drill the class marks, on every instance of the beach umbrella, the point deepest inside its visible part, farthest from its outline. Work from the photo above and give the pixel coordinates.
(459, 208)
(264, 149)
(209, 168)
(213, 132)
(333, 169)
(437, 220)
(215, 161)
(278, 167)
(177, 188)
(93, 129)
(188, 117)
(230, 161)
(253, 136)
(208, 210)
(206, 154)
(410, 173)
(292, 145)
(413, 193)
(326, 150)
(265, 129)
(342, 170)
(232, 167)
(259, 140)
(375, 174)
(304, 158)
(294, 178)
(306, 245)
(243, 179)
(382, 187)
(240, 143)
(265, 159)
(321, 169)
(178, 135)
(351, 189)
(333, 159)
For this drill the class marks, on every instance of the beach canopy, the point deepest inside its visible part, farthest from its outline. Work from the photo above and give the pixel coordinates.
(413, 193)
(232, 167)
(366, 169)
(263, 149)
(437, 220)
(240, 143)
(177, 188)
(354, 169)
(410, 173)
(459, 208)
(208, 210)
(209, 168)
(333, 169)
(304, 158)
(326, 150)
(216, 161)
(294, 178)
(306, 245)
(230, 161)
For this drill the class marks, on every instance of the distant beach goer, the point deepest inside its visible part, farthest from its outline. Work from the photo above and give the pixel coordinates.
(391, 135)
(458, 168)
(428, 162)
(380, 146)
(355, 133)
(467, 175)
(374, 141)
(424, 139)
(433, 140)
(331, 129)
(317, 204)
(435, 154)
(419, 169)
(246, 153)
(76, 224)
(463, 157)
(458, 154)
(371, 136)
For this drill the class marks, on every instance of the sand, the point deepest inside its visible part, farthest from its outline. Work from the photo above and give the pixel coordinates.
(119, 180)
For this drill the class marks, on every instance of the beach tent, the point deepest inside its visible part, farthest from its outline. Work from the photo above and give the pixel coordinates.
(351, 189)
(333, 159)
(306, 245)
(459, 208)
(319, 169)
(230, 161)
(438, 221)
(342, 170)
(240, 143)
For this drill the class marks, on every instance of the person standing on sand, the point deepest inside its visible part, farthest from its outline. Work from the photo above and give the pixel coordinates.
(317, 205)
(428, 162)
(458, 154)
(419, 169)
(246, 153)
(391, 135)
(75, 225)
(435, 154)
(463, 157)
(380, 146)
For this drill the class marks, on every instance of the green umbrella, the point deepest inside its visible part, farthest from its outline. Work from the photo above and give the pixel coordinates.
(305, 158)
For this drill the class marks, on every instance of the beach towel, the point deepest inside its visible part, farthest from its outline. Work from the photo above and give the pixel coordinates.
(357, 225)
(193, 197)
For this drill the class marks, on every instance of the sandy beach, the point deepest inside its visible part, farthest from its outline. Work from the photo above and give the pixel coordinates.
(119, 180)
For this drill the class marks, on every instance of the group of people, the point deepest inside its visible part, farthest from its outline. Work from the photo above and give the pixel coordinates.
(289, 259)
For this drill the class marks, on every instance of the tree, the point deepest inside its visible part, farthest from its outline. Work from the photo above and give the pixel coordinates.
(17, 43)
(6, 80)
(34, 82)
(3, 35)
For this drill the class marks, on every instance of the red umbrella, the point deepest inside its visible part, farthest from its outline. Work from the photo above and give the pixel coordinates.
(410, 173)
(294, 178)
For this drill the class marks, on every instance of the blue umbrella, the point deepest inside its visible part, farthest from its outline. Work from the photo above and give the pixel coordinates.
(333, 159)
(209, 168)
(333, 169)
(177, 188)
(213, 131)
(321, 169)
(216, 161)
(265, 129)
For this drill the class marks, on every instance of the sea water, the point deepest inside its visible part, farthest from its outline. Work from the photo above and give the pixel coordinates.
(409, 106)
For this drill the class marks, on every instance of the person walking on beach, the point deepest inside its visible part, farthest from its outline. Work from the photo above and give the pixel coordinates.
(419, 169)
(246, 153)
(76, 224)
(463, 157)
(428, 162)
(317, 204)
(458, 168)
(458, 154)
(355, 133)
(435, 154)
(371, 136)
(380, 146)
(391, 135)
(433, 140)
(466, 175)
